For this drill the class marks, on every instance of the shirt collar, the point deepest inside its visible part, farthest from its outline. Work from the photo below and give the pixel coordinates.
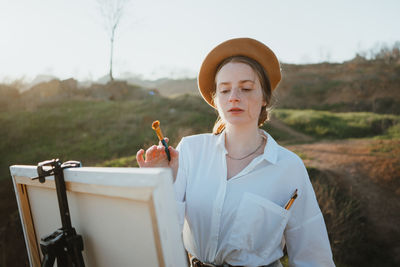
(270, 150)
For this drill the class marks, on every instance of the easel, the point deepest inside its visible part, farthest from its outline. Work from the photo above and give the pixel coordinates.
(126, 216)
(64, 244)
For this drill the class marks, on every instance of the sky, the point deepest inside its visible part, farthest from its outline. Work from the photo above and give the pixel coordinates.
(170, 38)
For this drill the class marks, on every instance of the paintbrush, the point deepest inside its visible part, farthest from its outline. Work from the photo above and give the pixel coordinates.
(156, 127)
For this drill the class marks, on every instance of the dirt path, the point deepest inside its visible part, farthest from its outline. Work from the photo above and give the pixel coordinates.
(370, 171)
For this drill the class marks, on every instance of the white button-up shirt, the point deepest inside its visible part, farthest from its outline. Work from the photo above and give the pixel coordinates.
(241, 221)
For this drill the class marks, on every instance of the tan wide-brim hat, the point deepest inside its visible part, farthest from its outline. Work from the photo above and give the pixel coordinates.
(236, 47)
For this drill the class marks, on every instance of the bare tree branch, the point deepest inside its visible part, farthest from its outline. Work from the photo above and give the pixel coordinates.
(111, 11)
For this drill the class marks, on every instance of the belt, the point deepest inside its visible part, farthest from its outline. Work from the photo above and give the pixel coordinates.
(197, 263)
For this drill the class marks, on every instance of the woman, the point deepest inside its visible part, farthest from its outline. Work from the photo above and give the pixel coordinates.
(232, 185)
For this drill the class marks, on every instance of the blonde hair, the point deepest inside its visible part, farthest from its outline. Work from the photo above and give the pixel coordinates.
(219, 125)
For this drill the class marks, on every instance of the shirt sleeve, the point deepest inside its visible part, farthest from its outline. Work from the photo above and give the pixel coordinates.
(180, 183)
(306, 235)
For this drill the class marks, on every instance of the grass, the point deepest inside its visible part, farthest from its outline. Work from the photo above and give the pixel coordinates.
(96, 131)
(347, 227)
(393, 132)
(342, 216)
(277, 134)
(129, 161)
(386, 148)
(329, 125)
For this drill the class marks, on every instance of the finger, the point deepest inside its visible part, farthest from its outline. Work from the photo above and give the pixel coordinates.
(154, 153)
(139, 158)
(158, 151)
(150, 152)
(161, 149)
(174, 153)
(166, 140)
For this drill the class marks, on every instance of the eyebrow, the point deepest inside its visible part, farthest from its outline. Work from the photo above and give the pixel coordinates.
(242, 81)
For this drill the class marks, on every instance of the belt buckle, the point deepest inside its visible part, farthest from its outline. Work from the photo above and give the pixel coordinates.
(195, 262)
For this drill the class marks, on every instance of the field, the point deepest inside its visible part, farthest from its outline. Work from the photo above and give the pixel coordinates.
(352, 158)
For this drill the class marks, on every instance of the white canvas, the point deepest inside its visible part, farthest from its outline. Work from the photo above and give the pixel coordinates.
(126, 216)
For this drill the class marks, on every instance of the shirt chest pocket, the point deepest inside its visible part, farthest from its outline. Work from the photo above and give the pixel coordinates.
(258, 225)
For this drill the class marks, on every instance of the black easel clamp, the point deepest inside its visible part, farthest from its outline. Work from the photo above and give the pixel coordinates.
(64, 244)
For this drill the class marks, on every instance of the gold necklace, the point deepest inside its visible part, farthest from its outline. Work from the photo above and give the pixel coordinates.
(262, 142)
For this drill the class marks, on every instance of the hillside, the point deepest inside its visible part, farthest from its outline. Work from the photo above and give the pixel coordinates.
(109, 132)
(55, 91)
(356, 85)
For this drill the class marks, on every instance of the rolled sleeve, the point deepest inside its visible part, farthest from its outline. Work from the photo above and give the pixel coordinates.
(308, 245)
(306, 235)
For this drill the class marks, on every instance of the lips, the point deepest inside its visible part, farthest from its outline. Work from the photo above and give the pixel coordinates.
(235, 110)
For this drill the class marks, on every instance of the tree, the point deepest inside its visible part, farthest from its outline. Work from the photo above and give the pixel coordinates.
(112, 11)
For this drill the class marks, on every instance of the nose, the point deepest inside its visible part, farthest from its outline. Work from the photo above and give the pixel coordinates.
(234, 96)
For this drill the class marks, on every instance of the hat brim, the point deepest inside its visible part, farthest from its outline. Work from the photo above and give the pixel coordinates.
(236, 47)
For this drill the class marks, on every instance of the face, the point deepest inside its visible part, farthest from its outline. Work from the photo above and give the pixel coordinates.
(238, 95)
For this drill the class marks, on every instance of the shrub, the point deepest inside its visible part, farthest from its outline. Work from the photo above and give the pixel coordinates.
(324, 124)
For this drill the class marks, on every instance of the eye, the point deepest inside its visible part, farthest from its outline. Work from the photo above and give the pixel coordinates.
(247, 89)
(224, 91)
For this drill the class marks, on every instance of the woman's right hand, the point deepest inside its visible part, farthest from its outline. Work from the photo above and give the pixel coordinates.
(156, 157)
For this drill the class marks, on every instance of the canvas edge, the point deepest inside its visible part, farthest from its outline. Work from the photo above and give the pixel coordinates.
(21, 214)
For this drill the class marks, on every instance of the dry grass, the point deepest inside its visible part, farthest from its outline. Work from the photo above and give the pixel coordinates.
(342, 214)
